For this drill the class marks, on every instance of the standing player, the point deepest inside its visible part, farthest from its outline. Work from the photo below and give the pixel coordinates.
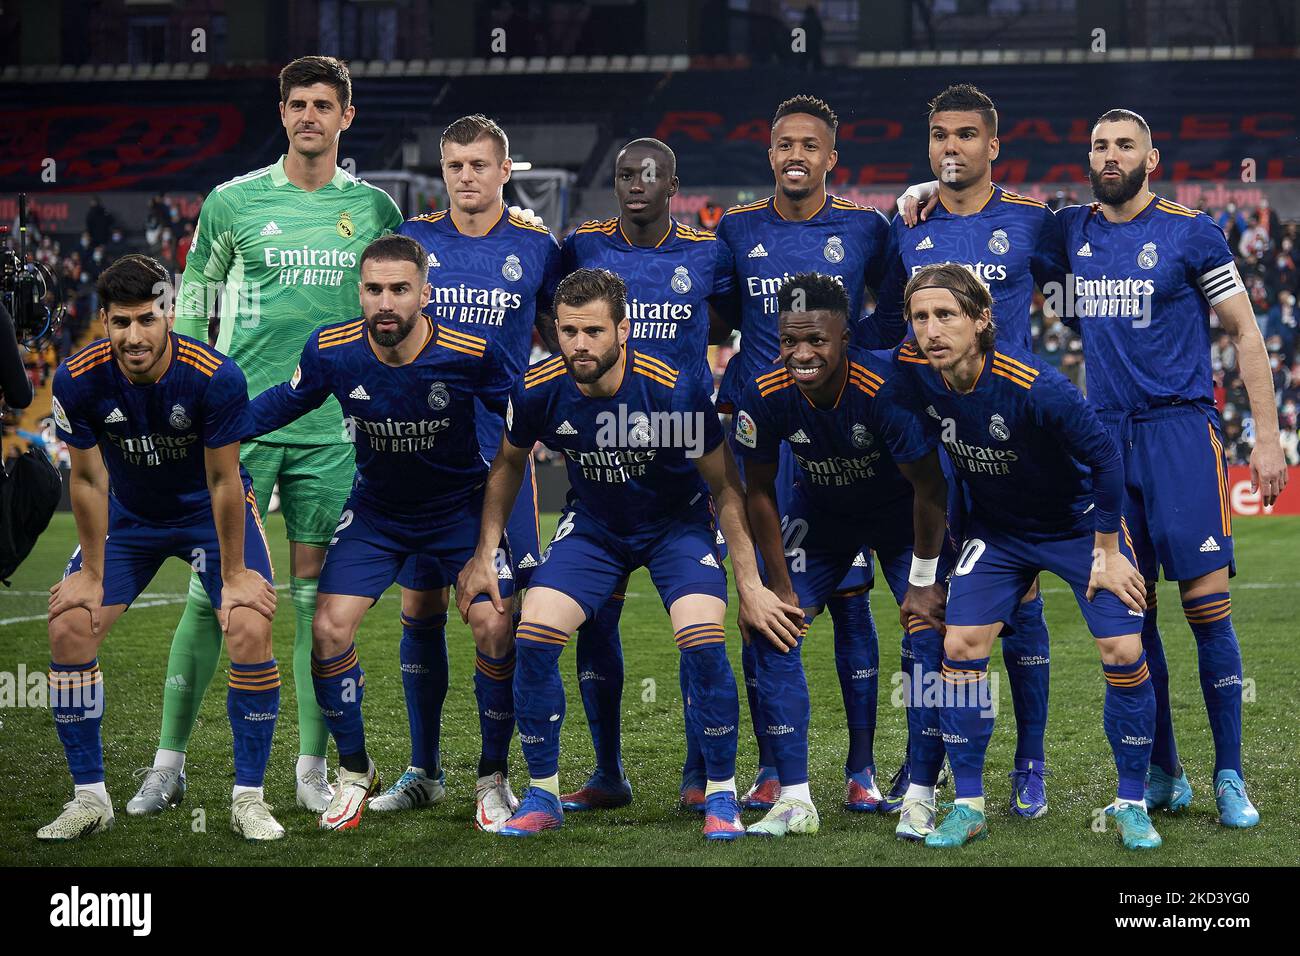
(675, 275)
(277, 250)
(802, 228)
(858, 456)
(1011, 243)
(1146, 273)
(153, 421)
(644, 452)
(1046, 488)
(488, 270)
(410, 388)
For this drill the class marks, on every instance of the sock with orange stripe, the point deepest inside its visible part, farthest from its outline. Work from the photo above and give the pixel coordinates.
(340, 684)
(77, 701)
(783, 689)
(1164, 753)
(923, 663)
(713, 703)
(1129, 716)
(494, 679)
(600, 683)
(539, 696)
(423, 654)
(253, 704)
(693, 768)
(857, 664)
(1026, 653)
(967, 722)
(1219, 657)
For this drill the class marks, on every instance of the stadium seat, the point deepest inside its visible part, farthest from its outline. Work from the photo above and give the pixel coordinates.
(395, 68)
(417, 67)
(679, 62)
(198, 71)
(85, 72)
(618, 63)
(436, 67)
(557, 64)
(638, 64)
(660, 63)
(457, 67)
(535, 64)
(598, 64)
(576, 64)
(476, 67)
(66, 72)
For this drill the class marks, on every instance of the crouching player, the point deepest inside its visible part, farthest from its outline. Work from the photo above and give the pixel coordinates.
(644, 450)
(854, 455)
(1046, 486)
(153, 421)
(408, 387)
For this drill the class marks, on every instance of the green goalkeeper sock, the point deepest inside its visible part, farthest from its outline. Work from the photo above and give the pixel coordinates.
(313, 735)
(196, 649)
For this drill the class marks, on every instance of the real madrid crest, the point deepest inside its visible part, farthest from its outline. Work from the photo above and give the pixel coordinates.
(638, 432)
(178, 419)
(344, 226)
(1148, 257)
(861, 437)
(681, 280)
(439, 397)
(834, 250)
(512, 269)
(998, 428)
(999, 244)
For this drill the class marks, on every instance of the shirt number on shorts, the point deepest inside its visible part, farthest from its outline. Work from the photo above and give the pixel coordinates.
(345, 520)
(563, 528)
(970, 553)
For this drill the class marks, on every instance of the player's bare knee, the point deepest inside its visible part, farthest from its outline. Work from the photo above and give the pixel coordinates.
(1117, 651)
(492, 632)
(71, 638)
(248, 639)
(331, 631)
(422, 604)
(968, 643)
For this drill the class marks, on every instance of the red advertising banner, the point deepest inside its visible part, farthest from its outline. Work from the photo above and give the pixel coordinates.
(1244, 502)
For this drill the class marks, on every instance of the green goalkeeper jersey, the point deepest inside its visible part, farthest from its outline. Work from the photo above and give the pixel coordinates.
(278, 263)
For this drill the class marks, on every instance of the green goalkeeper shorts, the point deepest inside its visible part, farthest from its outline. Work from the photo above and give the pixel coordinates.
(314, 480)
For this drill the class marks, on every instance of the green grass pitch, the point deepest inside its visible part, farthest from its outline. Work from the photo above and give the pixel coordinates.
(651, 831)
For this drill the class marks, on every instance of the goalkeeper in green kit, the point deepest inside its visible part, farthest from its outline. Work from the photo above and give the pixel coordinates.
(277, 251)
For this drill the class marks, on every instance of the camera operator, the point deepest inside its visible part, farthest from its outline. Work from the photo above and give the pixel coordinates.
(15, 386)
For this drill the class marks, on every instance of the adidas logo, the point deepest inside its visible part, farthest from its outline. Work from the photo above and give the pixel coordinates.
(758, 252)
(926, 243)
(433, 262)
(177, 682)
(860, 561)
(709, 561)
(527, 561)
(503, 572)
(359, 393)
(1084, 250)
(271, 229)
(566, 429)
(1210, 545)
(114, 417)
(800, 438)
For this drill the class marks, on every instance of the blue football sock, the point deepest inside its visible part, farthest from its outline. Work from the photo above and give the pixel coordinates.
(539, 696)
(425, 675)
(783, 688)
(340, 686)
(77, 701)
(494, 692)
(1129, 717)
(857, 663)
(600, 682)
(252, 704)
(714, 706)
(1027, 655)
(1218, 656)
(749, 665)
(1164, 752)
(967, 722)
(924, 670)
(693, 766)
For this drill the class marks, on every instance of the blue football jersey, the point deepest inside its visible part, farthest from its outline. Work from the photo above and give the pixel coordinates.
(414, 426)
(1026, 443)
(1012, 243)
(152, 436)
(843, 239)
(489, 287)
(669, 287)
(845, 456)
(1141, 298)
(630, 456)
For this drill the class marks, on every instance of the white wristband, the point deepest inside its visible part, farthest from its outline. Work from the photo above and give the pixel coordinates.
(923, 571)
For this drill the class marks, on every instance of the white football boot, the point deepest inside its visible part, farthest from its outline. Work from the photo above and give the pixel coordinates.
(250, 817)
(83, 815)
(350, 795)
(414, 789)
(494, 802)
(314, 792)
(787, 815)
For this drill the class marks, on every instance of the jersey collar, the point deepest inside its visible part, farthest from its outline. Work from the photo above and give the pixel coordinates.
(993, 191)
(981, 377)
(672, 228)
(279, 177)
(501, 217)
(826, 201)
